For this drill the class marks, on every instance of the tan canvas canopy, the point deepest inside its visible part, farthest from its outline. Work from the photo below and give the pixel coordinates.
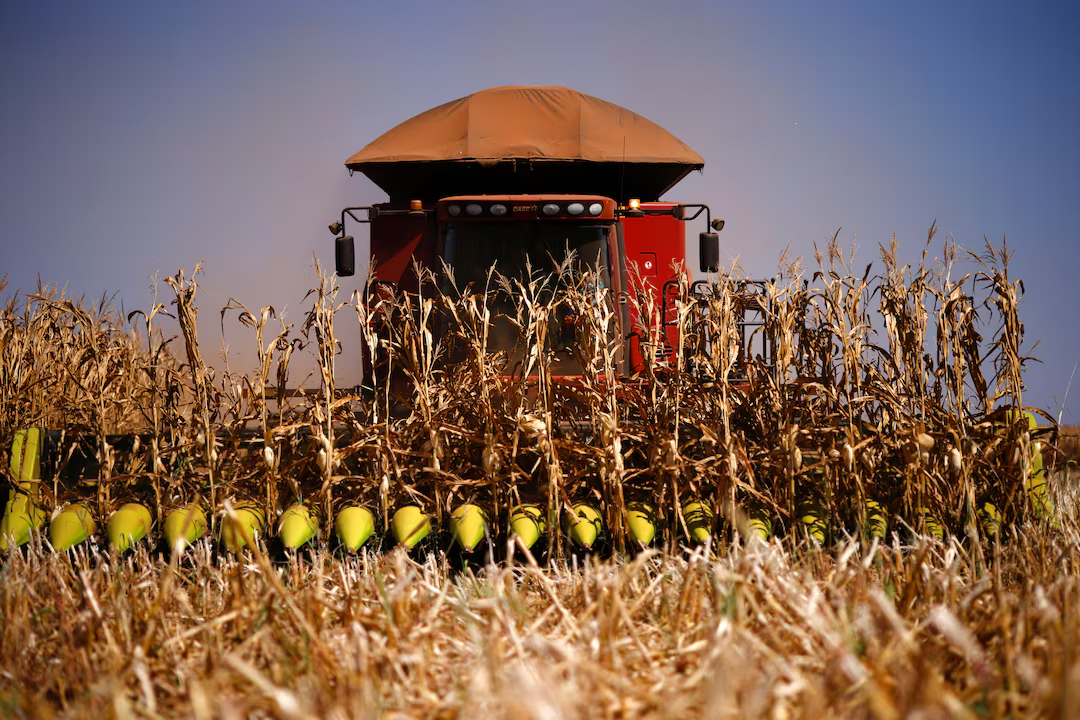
(526, 140)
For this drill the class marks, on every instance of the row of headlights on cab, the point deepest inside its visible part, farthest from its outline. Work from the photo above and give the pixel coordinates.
(574, 209)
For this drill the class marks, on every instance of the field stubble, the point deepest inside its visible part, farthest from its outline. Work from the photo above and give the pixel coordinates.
(929, 630)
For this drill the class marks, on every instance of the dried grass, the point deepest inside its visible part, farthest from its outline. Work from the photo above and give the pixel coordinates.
(764, 631)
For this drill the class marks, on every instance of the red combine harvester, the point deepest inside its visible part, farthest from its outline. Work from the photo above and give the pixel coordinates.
(518, 175)
(525, 180)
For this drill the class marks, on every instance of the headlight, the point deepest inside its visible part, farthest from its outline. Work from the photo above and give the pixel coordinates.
(575, 208)
(473, 209)
(596, 208)
(551, 209)
(498, 210)
(453, 210)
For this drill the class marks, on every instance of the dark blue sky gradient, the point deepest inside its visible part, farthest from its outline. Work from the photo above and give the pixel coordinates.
(137, 138)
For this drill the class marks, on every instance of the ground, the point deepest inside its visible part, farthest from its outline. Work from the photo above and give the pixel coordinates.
(962, 628)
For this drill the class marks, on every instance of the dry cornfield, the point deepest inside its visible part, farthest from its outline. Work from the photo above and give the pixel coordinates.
(851, 510)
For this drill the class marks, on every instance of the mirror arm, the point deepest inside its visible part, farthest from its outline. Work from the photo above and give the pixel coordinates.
(701, 208)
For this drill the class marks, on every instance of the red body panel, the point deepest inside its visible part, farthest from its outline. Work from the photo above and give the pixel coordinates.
(656, 245)
(655, 242)
(397, 240)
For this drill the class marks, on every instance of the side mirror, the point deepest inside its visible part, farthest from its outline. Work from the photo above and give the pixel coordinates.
(709, 252)
(345, 256)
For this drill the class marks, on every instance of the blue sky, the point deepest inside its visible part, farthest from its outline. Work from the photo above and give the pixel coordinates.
(138, 138)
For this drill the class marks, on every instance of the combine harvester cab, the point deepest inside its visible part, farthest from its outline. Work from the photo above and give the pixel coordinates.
(518, 174)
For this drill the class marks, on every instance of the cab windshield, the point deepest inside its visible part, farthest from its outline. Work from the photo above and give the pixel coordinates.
(472, 248)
